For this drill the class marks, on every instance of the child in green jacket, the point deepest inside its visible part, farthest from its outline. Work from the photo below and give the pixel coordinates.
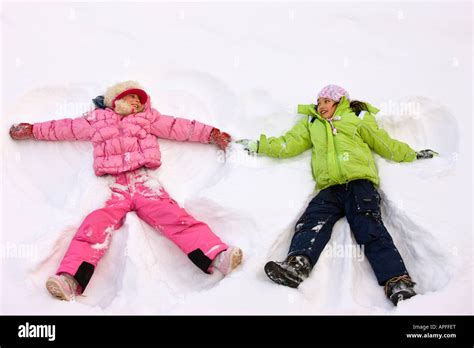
(342, 135)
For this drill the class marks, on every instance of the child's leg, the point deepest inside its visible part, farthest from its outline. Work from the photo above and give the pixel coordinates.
(364, 217)
(312, 233)
(193, 237)
(313, 229)
(91, 240)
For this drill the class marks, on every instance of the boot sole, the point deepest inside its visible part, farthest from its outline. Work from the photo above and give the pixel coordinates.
(236, 259)
(54, 287)
(401, 296)
(279, 275)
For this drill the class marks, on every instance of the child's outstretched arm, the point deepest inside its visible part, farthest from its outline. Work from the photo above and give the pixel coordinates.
(55, 130)
(181, 129)
(379, 141)
(292, 143)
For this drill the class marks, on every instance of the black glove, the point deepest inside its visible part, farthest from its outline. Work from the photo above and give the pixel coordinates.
(423, 154)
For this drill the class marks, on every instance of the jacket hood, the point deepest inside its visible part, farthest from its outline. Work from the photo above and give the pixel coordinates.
(115, 92)
(121, 89)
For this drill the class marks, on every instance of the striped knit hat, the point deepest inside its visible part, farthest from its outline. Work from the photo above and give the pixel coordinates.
(333, 92)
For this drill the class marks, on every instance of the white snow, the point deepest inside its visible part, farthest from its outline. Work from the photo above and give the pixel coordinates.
(242, 67)
(318, 227)
(106, 242)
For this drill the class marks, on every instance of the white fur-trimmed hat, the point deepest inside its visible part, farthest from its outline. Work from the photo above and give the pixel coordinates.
(121, 89)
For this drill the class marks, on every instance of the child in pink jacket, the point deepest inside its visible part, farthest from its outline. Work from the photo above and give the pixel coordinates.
(124, 132)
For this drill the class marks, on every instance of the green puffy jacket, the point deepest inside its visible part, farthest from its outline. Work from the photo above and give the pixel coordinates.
(341, 157)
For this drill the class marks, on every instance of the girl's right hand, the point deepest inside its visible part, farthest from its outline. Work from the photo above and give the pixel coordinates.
(21, 131)
(251, 146)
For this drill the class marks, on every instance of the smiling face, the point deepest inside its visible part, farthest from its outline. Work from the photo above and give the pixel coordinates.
(134, 101)
(326, 107)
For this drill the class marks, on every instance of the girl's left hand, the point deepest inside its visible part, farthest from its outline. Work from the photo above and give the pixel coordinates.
(221, 139)
(426, 154)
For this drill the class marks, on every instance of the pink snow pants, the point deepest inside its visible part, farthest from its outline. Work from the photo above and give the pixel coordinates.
(137, 191)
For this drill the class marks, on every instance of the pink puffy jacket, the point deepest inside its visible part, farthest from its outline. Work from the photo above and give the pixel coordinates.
(123, 143)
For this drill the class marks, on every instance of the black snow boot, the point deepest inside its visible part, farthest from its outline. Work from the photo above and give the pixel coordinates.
(399, 288)
(290, 272)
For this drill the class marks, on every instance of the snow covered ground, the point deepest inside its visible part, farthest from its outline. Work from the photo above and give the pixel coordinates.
(242, 67)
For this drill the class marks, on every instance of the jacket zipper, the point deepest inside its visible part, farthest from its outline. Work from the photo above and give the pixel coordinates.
(120, 140)
(338, 162)
(334, 132)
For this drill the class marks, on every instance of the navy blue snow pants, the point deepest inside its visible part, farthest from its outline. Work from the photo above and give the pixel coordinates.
(359, 201)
